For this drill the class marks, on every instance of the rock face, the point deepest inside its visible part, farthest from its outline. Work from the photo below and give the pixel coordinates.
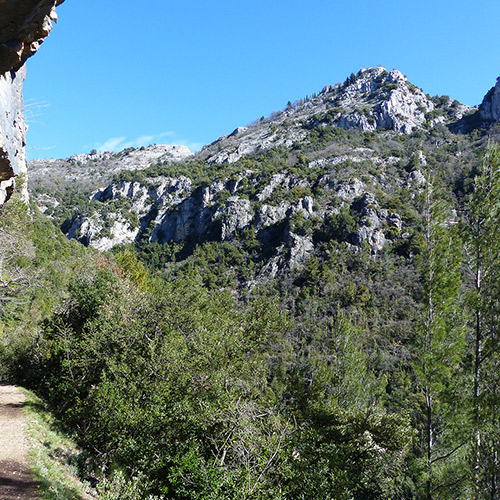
(490, 107)
(374, 99)
(12, 131)
(92, 171)
(334, 171)
(398, 106)
(169, 209)
(24, 24)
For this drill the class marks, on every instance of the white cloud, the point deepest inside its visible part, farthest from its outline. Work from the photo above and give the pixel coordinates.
(143, 140)
(167, 133)
(120, 143)
(112, 144)
(36, 148)
(33, 109)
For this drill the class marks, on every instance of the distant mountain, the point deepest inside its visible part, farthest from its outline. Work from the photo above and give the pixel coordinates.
(372, 100)
(95, 169)
(349, 164)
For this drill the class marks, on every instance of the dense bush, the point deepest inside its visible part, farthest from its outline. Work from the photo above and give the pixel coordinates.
(358, 375)
(189, 398)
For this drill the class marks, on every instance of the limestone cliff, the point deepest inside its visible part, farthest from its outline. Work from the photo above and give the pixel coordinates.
(24, 24)
(490, 107)
(337, 155)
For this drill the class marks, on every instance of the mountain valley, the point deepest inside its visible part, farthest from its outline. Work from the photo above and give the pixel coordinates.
(356, 154)
(307, 308)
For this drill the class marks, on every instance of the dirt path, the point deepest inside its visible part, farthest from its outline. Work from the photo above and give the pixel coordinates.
(16, 481)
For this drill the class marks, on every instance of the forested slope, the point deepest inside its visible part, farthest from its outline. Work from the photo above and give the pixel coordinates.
(311, 319)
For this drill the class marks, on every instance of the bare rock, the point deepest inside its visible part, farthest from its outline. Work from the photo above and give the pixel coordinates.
(348, 190)
(301, 248)
(490, 107)
(421, 158)
(236, 214)
(356, 120)
(12, 132)
(416, 178)
(306, 205)
(267, 191)
(269, 215)
(92, 231)
(24, 24)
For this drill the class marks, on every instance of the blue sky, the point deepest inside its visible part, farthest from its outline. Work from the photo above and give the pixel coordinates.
(129, 73)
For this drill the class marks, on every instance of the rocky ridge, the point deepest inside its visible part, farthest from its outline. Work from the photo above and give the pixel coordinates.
(332, 166)
(372, 100)
(93, 170)
(175, 210)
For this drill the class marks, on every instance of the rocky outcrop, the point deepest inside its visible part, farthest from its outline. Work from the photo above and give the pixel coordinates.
(24, 24)
(94, 170)
(490, 107)
(373, 99)
(236, 214)
(377, 99)
(12, 132)
(169, 209)
(300, 249)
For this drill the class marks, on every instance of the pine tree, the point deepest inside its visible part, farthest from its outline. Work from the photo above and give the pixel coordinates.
(484, 262)
(441, 347)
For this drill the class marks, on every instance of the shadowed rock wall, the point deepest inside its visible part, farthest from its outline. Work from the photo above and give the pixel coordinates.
(24, 24)
(490, 107)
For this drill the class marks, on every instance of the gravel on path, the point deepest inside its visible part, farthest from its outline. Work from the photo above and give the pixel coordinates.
(16, 480)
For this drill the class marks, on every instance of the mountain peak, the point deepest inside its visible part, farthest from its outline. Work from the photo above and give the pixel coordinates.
(372, 99)
(375, 98)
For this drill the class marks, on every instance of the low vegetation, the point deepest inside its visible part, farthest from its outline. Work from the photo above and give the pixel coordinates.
(53, 456)
(360, 374)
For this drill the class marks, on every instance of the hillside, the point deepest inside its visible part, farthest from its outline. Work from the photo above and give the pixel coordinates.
(357, 151)
(51, 179)
(307, 308)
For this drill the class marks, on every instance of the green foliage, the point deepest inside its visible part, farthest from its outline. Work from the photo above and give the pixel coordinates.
(441, 347)
(340, 226)
(118, 487)
(298, 192)
(359, 447)
(484, 264)
(387, 87)
(162, 370)
(193, 400)
(185, 373)
(37, 263)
